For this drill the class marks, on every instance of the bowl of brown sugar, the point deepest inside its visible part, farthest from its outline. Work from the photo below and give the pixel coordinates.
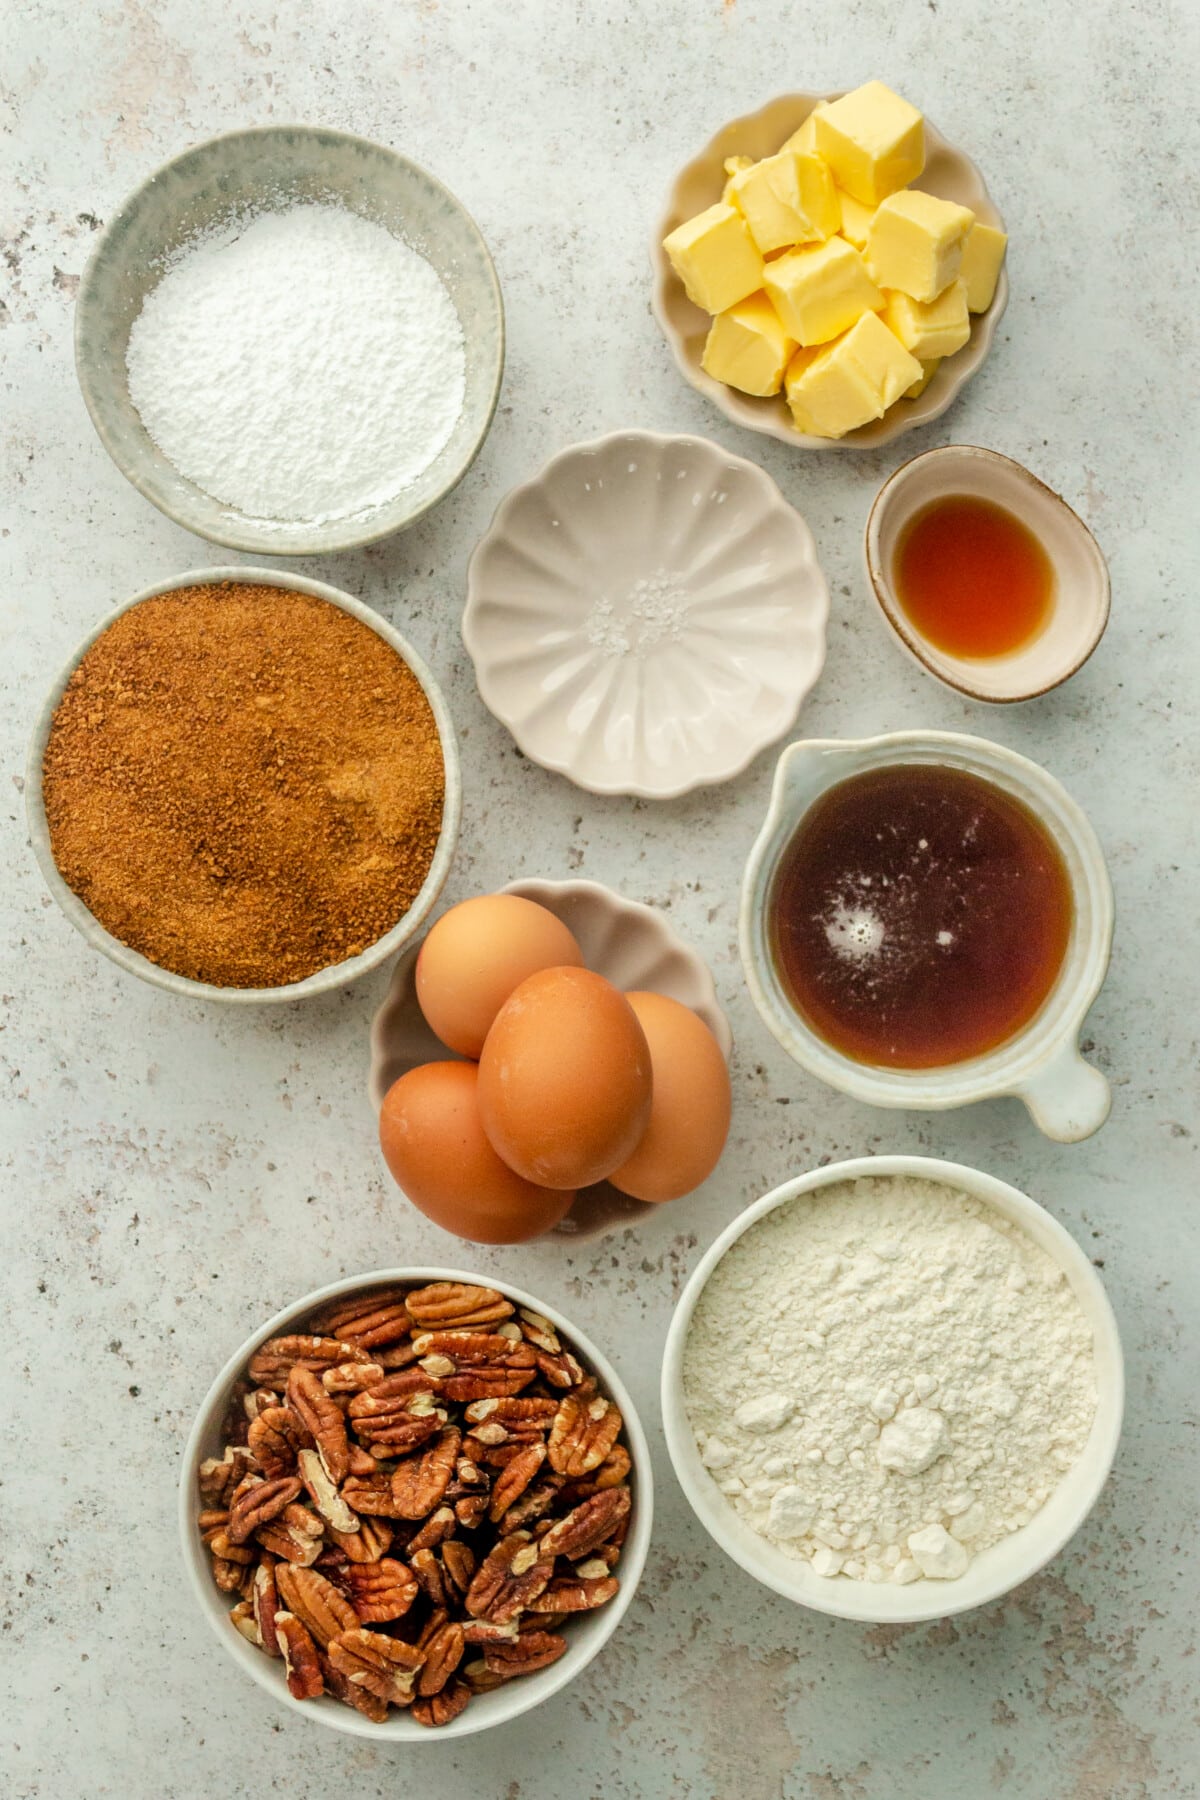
(245, 786)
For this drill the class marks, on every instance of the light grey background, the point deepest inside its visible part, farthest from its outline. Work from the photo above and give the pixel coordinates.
(174, 1173)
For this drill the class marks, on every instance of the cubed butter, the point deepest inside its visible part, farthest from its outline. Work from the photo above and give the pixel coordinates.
(714, 257)
(806, 138)
(916, 243)
(820, 290)
(856, 219)
(851, 381)
(786, 199)
(983, 254)
(733, 166)
(873, 141)
(748, 348)
(929, 368)
(930, 328)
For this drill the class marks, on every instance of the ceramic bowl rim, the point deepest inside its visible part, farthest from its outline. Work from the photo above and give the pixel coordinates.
(718, 394)
(499, 524)
(939, 1600)
(909, 637)
(322, 981)
(1009, 1069)
(514, 1698)
(302, 538)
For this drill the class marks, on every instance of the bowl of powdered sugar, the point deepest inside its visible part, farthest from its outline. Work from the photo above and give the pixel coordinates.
(291, 340)
(893, 1389)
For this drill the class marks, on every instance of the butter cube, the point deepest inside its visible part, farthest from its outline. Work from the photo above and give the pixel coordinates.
(930, 328)
(786, 199)
(748, 348)
(806, 138)
(851, 381)
(820, 289)
(714, 257)
(929, 368)
(916, 243)
(856, 219)
(983, 253)
(733, 166)
(873, 141)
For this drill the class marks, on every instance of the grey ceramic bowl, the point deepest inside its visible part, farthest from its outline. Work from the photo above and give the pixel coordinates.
(229, 174)
(338, 975)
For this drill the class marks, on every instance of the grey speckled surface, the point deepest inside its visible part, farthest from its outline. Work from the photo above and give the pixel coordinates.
(173, 1173)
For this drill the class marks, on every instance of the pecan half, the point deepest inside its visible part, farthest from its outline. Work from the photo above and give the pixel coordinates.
(228, 1575)
(444, 1650)
(274, 1361)
(470, 1510)
(242, 1619)
(539, 1331)
(456, 1305)
(443, 1706)
(324, 1495)
(522, 1655)
(385, 1666)
(371, 1495)
(360, 1698)
(437, 1528)
(295, 1536)
(351, 1378)
(514, 1478)
(459, 1564)
(366, 1545)
(220, 1475)
(583, 1433)
(318, 1605)
(519, 1415)
(304, 1678)
(559, 1368)
(223, 1549)
(276, 1437)
(509, 1577)
(534, 1503)
(368, 1320)
(321, 1415)
(586, 1525)
(419, 1482)
(257, 1503)
(570, 1594)
(427, 1568)
(380, 1590)
(264, 1598)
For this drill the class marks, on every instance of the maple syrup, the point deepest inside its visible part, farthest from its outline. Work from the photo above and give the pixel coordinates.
(919, 916)
(971, 578)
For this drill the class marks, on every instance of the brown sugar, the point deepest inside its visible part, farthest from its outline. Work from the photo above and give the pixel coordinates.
(244, 783)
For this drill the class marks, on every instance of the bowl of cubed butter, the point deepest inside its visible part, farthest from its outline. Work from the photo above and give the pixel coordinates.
(829, 270)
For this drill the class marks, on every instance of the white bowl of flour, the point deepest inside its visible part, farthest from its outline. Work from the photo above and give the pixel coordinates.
(893, 1389)
(291, 340)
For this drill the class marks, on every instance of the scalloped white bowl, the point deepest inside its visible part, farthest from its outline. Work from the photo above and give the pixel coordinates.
(631, 945)
(948, 173)
(598, 678)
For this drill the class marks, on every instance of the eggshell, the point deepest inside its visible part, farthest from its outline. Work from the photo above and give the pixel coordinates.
(476, 955)
(434, 1145)
(690, 1107)
(564, 1079)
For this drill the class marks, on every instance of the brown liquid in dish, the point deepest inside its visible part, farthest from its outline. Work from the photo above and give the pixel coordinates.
(919, 916)
(972, 579)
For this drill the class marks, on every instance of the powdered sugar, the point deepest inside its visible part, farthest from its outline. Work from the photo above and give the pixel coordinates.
(299, 365)
(886, 1377)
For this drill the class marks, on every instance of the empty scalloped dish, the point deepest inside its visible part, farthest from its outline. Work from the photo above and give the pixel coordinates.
(646, 615)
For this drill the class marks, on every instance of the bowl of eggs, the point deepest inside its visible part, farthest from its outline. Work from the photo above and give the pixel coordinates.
(549, 1058)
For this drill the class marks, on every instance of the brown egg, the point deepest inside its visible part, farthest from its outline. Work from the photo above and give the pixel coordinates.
(690, 1108)
(434, 1145)
(564, 1079)
(476, 955)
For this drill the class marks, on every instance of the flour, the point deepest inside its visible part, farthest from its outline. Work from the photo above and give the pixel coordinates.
(299, 365)
(887, 1377)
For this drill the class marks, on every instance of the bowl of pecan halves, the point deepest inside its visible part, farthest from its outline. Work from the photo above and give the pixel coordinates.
(413, 1501)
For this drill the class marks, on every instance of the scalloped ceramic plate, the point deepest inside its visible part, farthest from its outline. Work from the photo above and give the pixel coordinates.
(631, 945)
(947, 173)
(646, 615)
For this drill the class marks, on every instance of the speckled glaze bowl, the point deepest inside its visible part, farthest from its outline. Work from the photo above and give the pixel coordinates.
(646, 615)
(631, 945)
(1041, 1064)
(948, 173)
(241, 170)
(1080, 602)
(325, 981)
(588, 1632)
(994, 1571)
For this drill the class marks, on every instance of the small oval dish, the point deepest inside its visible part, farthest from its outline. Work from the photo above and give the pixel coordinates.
(948, 173)
(234, 174)
(337, 975)
(1081, 594)
(1041, 1064)
(587, 1632)
(631, 945)
(994, 1571)
(646, 615)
